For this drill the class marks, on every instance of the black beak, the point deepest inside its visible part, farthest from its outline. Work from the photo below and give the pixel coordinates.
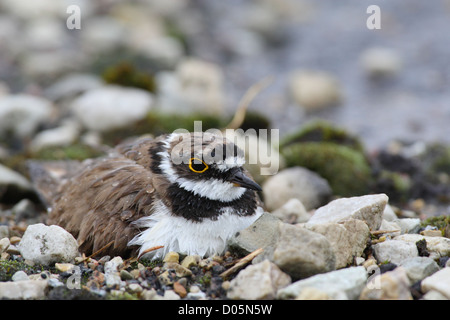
(243, 181)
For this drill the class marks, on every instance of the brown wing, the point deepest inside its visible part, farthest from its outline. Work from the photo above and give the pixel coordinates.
(100, 203)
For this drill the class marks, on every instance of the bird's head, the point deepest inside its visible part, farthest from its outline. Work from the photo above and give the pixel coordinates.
(205, 164)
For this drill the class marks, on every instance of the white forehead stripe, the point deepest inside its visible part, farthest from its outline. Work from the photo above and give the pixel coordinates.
(166, 162)
(230, 162)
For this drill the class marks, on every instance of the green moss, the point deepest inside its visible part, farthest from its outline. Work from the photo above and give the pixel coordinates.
(105, 60)
(347, 170)
(147, 263)
(396, 185)
(9, 267)
(174, 31)
(321, 131)
(438, 158)
(205, 280)
(441, 222)
(160, 122)
(157, 123)
(255, 120)
(76, 151)
(126, 74)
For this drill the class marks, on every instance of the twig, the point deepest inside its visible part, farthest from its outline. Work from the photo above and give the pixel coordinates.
(242, 262)
(377, 232)
(149, 250)
(99, 250)
(249, 95)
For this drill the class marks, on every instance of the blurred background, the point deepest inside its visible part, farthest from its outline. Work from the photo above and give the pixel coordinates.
(380, 84)
(135, 67)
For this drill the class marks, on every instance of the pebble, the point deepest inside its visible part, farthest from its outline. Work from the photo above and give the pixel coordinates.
(125, 275)
(4, 244)
(394, 251)
(314, 90)
(439, 281)
(437, 246)
(4, 232)
(24, 209)
(293, 211)
(166, 278)
(112, 275)
(171, 295)
(434, 295)
(258, 282)
(64, 135)
(418, 268)
(12, 249)
(296, 182)
(368, 208)
(180, 271)
(22, 114)
(20, 276)
(311, 293)
(380, 62)
(359, 261)
(195, 86)
(64, 267)
(172, 257)
(300, 252)
(110, 107)
(13, 183)
(408, 225)
(388, 213)
(179, 289)
(71, 85)
(390, 226)
(135, 288)
(431, 233)
(338, 285)
(48, 244)
(391, 285)
(15, 239)
(26, 289)
(348, 239)
(260, 234)
(190, 261)
(165, 50)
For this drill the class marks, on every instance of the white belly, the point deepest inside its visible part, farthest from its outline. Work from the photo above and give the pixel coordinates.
(177, 234)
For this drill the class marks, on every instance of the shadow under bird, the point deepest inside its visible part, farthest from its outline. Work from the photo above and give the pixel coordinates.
(137, 198)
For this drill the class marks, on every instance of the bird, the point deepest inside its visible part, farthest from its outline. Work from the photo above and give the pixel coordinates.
(185, 192)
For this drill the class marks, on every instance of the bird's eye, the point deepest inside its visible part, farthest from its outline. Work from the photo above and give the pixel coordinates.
(197, 165)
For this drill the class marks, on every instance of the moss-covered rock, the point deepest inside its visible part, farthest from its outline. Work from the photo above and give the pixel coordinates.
(441, 222)
(347, 170)
(9, 267)
(126, 74)
(436, 159)
(255, 120)
(321, 131)
(157, 123)
(396, 185)
(76, 151)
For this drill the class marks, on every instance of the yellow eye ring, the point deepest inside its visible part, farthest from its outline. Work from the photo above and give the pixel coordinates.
(196, 170)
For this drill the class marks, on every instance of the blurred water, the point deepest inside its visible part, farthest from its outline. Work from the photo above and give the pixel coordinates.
(413, 105)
